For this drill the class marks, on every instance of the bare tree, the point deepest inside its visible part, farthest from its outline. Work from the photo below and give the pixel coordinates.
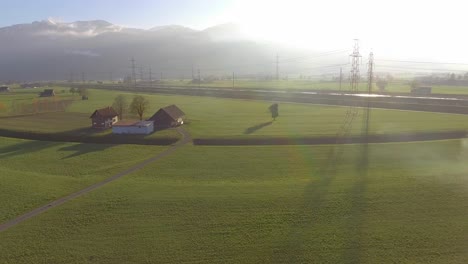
(382, 84)
(72, 90)
(82, 91)
(139, 105)
(414, 84)
(120, 105)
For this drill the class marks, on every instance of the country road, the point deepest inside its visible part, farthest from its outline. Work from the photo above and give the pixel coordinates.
(185, 139)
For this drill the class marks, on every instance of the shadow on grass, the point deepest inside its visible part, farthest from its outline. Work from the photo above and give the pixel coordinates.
(308, 214)
(26, 148)
(252, 129)
(82, 149)
(89, 135)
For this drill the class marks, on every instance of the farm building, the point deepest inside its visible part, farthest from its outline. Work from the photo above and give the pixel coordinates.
(168, 116)
(4, 89)
(47, 93)
(104, 118)
(421, 90)
(133, 127)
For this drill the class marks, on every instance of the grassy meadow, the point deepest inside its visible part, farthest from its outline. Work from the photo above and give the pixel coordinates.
(249, 204)
(270, 204)
(33, 173)
(231, 118)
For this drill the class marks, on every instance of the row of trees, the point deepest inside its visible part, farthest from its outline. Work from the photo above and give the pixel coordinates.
(138, 106)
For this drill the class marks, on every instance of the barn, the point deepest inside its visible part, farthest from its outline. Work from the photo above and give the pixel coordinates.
(133, 127)
(421, 90)
(168, 116)
(4, 89)
(47, 93)
(104, 118)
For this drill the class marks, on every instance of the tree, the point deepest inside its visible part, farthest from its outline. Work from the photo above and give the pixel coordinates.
(73, 90)
(139, 106)
(83, 92)
(274, 111)
(414, 84)
(120, 105)
(382, 83)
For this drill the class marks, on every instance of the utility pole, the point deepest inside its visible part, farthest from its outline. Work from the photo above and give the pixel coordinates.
(233, 80)
(150, 76)
(352, 111)
(141, 73)
(355, 60)
(341, 76)
(193, 76)
(370, 74)
(133, 72)
(277, 67)
(199, 78)
(71, 77)
(364, 162)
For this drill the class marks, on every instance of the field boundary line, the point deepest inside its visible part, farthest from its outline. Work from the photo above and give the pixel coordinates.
(13, 222)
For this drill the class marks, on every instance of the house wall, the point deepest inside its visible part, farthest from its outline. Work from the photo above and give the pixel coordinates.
(104, 123)
(135, 130)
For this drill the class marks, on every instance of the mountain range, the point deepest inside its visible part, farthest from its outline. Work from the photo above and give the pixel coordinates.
(97, 50)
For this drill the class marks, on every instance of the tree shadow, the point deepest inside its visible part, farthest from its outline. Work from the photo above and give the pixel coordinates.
(26, 148)
(83, 148)
(252, 129)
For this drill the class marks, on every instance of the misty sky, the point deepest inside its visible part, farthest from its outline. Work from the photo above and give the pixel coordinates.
(403, 28)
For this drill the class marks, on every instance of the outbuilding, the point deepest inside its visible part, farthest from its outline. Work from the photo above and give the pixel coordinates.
(421, 90)
(133, 127)
(4, 89)
(47, 93)
(168, 116)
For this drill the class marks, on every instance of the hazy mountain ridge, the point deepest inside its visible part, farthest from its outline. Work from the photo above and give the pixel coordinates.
(50, 50)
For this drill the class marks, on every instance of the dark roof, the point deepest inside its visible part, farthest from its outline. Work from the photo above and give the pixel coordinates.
(105, 112)
(4, 88)
(48, 92)
(173, 111)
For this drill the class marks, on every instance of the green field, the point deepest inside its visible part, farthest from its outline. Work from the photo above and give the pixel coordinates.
(36, 172)
(269, 204)
(398, 86)
(265, 205)
(229, 118)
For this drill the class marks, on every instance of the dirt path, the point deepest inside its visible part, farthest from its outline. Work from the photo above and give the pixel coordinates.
(186, 139)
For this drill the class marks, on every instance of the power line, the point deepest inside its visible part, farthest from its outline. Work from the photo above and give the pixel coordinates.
(150, 76)
(133, 71)
(277, 67)
(425, 62)
(333, 52)
(370, 74)
(418, 68)
(341, 76)
(355, 60)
